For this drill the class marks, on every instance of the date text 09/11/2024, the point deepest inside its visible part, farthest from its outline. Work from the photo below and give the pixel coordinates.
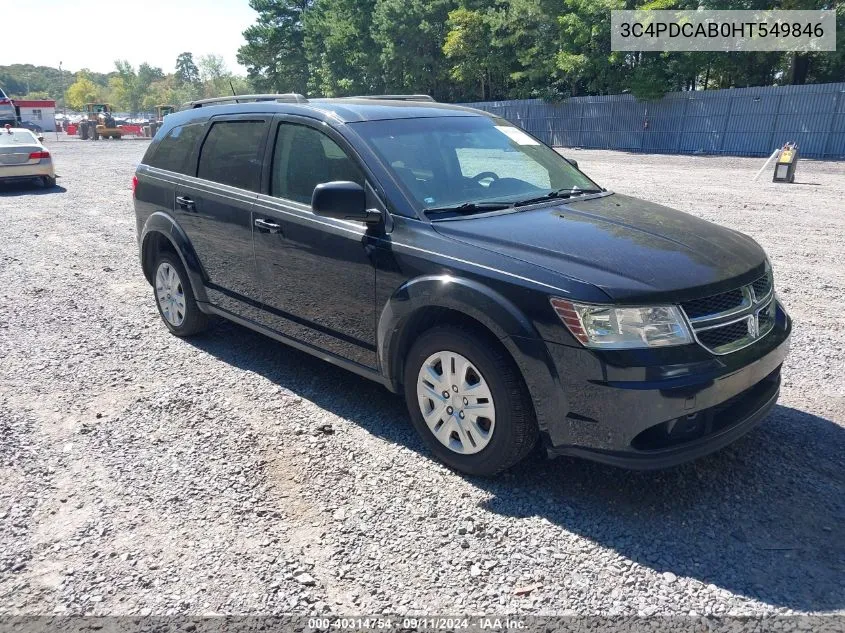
(416, 623)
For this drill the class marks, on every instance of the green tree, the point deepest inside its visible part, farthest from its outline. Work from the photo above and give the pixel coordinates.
(148, 74)
(474, 49)
(529, 37)
(83, 91)
(341, 54)
(37, 95)
(212, 68)
(214, 75)
(274, 53)
(126, 90)
(186, 70)
(18, 80)
(492, 49)
(584, 62)
(411, 34)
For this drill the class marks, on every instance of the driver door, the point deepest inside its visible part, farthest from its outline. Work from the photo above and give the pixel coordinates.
(316, 274)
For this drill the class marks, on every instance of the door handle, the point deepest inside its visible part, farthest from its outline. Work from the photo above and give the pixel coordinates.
(185, 203)
(266, 225)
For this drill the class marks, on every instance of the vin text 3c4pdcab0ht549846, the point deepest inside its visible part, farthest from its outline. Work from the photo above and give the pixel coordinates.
(456, 259)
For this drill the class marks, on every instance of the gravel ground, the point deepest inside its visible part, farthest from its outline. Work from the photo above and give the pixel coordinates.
(140, 473)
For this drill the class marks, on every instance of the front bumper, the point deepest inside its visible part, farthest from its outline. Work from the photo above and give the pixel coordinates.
(658, 414)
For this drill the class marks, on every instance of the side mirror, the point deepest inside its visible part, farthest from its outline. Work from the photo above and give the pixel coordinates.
(342, 200)
(572, 162)
(40, 139)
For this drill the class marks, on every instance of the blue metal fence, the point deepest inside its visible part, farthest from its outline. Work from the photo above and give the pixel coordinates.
(738, 121)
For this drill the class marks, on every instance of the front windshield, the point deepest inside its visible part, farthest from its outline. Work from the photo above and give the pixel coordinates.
(451, 161)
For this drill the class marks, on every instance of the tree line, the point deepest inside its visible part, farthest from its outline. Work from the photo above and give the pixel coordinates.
(465, 50)
(454, 50)
(127, 88)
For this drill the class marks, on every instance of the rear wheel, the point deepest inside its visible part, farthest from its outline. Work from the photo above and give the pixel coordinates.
(48, 181)
(175, 298)
(467, 400)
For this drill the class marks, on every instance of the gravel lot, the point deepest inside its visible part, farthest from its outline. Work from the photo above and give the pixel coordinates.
(140, 473)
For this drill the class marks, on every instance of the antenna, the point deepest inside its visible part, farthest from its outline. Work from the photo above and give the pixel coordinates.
(234, 94)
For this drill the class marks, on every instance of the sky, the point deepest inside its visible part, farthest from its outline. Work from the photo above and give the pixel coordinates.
(198, 26)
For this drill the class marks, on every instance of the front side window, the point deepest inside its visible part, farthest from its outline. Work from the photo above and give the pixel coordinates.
(175, 150)
(447, 161)
(232, 152)
(304, 158)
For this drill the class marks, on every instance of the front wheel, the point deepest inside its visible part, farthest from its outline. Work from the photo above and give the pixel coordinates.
(175, 298)
(468, 401)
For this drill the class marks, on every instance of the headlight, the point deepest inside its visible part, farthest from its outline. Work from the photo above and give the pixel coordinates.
(609, 327)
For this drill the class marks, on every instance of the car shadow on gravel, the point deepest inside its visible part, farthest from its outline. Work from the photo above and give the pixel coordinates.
(28, 189)
(762, 518)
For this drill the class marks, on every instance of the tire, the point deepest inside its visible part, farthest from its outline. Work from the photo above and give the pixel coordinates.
(48, 181)
(492, 442)
(182, 318)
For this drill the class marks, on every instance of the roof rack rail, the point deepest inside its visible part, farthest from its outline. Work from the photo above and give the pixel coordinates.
(290, 97)
(396, 98)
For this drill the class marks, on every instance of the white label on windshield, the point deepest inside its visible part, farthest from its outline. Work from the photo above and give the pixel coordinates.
(516, 135)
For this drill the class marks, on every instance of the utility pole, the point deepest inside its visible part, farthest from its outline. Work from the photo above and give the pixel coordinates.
(64, 90)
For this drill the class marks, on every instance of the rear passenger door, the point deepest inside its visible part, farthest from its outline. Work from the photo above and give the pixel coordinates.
(317, 275)
(215, 209)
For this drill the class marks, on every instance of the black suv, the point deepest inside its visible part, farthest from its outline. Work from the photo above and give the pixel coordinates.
(449, 255)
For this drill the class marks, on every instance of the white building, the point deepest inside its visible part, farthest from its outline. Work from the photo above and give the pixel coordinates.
(42, 112)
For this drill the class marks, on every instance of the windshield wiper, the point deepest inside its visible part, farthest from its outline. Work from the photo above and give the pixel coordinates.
(559, 193)
(471, 207)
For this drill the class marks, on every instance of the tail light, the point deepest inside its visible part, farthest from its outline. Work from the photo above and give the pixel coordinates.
(134, 185)
(39, 155)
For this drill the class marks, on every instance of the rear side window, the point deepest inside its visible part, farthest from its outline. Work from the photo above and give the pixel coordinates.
(175, 150)
(232, 154)
(304, 158)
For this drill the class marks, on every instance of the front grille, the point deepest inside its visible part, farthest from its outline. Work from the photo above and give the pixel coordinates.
(731, 320)
(762, 287)
(715, 304)
(721, 336)
(767, 317)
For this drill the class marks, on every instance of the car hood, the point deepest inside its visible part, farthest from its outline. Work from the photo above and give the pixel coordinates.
(631, 249)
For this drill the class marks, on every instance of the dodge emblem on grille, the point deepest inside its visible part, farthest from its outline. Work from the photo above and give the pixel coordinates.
(753, 327)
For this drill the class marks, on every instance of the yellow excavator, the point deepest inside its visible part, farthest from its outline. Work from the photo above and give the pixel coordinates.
(99, 122)
(161, 112)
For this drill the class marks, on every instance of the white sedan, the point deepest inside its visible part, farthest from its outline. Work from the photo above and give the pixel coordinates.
(23, 157)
